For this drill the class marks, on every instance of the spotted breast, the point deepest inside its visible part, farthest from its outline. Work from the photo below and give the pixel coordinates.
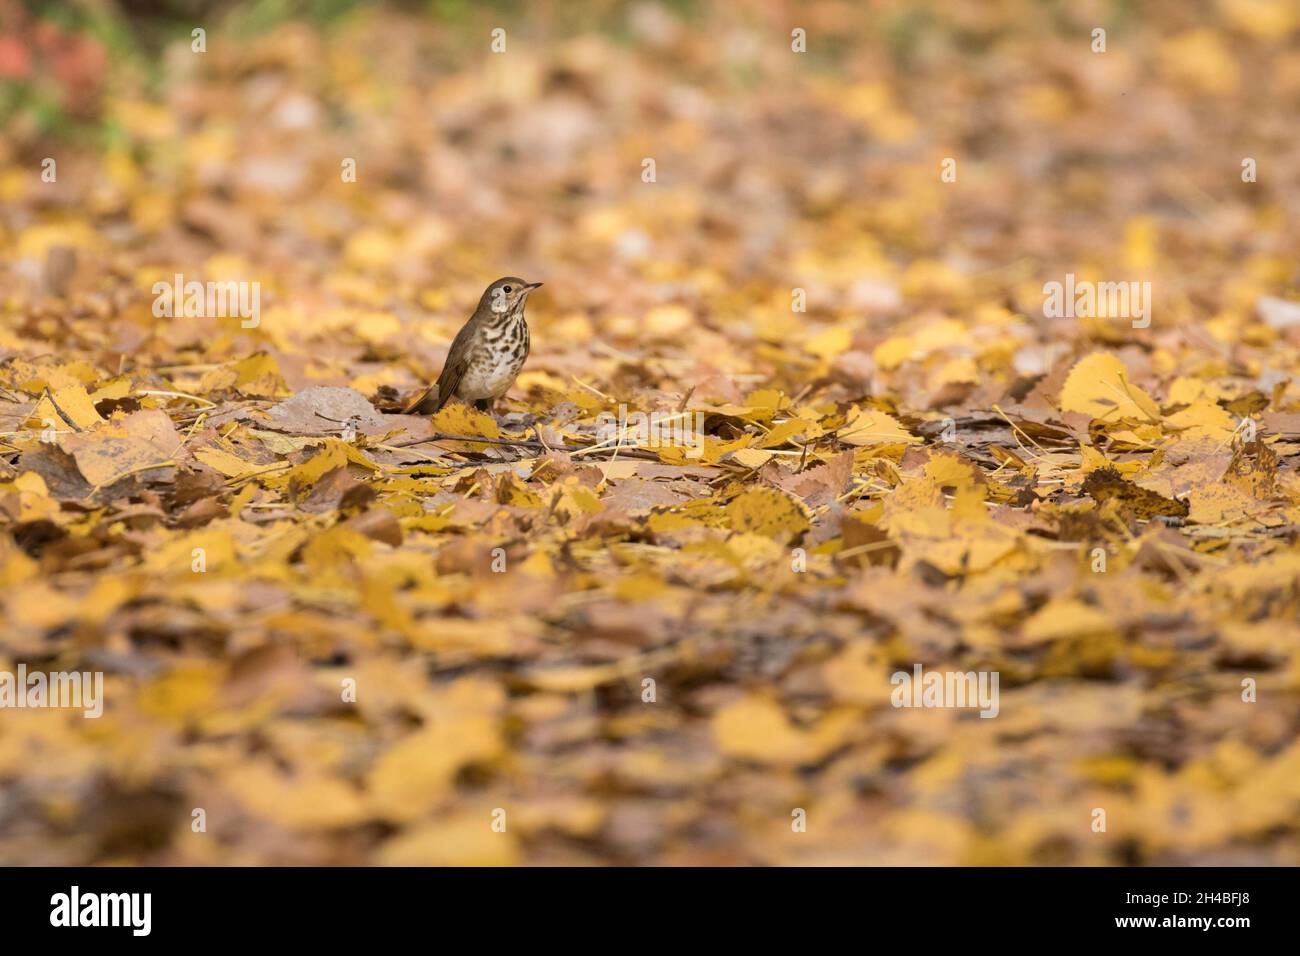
(495, 360)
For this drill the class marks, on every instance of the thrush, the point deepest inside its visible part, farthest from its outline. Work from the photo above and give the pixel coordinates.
(486, 354)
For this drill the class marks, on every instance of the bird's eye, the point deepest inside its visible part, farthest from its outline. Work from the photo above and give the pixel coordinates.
(507, 289)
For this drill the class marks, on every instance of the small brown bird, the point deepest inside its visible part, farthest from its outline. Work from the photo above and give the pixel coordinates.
(486, 354)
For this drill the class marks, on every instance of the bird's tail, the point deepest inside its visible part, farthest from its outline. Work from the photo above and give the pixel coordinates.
(426, 404)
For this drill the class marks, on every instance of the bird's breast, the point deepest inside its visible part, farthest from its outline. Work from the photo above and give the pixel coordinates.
(495, 361)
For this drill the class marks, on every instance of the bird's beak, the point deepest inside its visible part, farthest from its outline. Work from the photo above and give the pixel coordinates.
(531, 286)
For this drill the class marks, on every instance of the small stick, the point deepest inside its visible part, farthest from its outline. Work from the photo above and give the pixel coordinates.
(440, 436)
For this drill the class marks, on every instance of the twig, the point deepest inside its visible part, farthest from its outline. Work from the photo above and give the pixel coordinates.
(193, 398)
(62, 413)
(440, 436)
(169, 463)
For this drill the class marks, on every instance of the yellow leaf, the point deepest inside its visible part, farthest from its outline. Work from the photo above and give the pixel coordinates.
(311, 802)
(183, 695)
(751, 457)
(335, 453)
(830, 343)
(870, 426)
(859, 674)
(1262, 18)
(103, 457)
(767, 511)
(414, 775)
(667, 320)
(460, 839)
(1066, 617)
(1203, 419)
(213, 549)
(1140, 239)
(232, 466)
(893, 352)
(372, 249)
(35, 242)
(1200, 61)
(257, 375)
(74, 404)
(756, 728)
(37, 605)
(953, 471)
(457, 418)
(1098, 385)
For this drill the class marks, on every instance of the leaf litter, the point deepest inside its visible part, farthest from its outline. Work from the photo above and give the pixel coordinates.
(350, 638)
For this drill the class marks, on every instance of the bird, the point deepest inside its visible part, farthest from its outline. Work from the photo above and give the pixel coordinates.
(486, 354)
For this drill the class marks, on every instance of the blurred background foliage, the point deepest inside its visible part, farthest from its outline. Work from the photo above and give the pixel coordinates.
(59, 61)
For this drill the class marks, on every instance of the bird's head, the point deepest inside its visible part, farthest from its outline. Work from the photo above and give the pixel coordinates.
(507, 296)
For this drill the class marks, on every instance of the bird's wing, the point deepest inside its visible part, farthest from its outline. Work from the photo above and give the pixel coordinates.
(440, 392)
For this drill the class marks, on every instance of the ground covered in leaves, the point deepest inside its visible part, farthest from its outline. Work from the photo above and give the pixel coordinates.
(347, 643)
